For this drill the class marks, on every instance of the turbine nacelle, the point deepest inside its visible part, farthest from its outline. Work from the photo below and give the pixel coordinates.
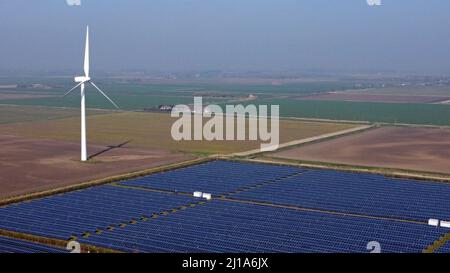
(82, 79)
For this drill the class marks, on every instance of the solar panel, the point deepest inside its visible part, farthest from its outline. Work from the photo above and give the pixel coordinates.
(358, 193)
(75, 213)
(252, 213)
(230, 227)
(10, 245)
(216, 177)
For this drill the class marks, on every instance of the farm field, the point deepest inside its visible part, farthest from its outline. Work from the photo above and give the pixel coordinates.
(419, 149)
(363, 97)
(31, 165)
(399, 94)
(125, 102)
(137, 96)
(436, 90)
(127, 96)
(334, 100)
(410, 113)
(153, 130)
(18, 95)
(16, 113)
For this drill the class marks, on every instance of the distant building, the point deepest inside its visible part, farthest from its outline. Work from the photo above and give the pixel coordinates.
(165, 108)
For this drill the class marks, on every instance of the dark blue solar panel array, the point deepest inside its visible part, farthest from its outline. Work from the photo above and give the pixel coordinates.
(225, 226)
(216, 177)
(221, 226)
(9, 245)
(366, 194)
(62, 216)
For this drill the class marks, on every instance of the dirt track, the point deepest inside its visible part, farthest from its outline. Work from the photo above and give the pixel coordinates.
(389, 147)
(30, 165)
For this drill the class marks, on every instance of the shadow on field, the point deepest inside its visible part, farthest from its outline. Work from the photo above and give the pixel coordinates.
(109, 148)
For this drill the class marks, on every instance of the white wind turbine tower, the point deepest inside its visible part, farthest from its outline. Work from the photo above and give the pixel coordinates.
(82, 81)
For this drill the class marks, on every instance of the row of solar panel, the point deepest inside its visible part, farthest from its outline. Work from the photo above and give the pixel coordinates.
(216, 177)
(338, 191)
(10, 245)
(220, 226)
(358, 193)
(75, 213)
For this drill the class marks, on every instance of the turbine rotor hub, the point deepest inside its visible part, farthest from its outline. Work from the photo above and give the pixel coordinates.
(82, 79)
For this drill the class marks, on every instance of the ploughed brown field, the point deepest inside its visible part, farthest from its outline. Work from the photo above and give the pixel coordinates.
(31, 165)
(386, 98)
(420, 149)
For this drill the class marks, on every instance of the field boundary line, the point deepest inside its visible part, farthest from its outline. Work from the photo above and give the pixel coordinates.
(58, 243)
(308, 140)
(102, 181)
(420, 125)
(324, 120)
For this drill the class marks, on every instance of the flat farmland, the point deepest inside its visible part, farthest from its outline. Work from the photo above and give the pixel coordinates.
(419, 149)
(334, 100)
(361, 97)
(31, 165)
(15, 113)
(409, 90)
(140, 95)
(410, 113)
(153, 130)
(17, 95)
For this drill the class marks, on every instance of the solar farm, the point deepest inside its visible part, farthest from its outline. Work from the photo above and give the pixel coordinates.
(249, 208)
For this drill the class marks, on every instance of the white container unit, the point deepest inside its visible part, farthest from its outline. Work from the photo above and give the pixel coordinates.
(445, 224)
(198, 194)
(433, 222)
(207, 196)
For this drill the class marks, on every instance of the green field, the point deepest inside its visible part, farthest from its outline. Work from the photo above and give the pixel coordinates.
(140, 96)
(15, 114)
(94, 100)
(137, 96)
(430, 114)
(443, 90)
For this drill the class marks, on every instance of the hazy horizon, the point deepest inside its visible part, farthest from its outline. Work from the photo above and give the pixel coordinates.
(251, 35)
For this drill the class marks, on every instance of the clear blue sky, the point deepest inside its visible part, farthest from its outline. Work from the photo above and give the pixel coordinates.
(411, 35)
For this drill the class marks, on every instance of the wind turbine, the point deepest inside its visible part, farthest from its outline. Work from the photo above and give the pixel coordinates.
(82, 81)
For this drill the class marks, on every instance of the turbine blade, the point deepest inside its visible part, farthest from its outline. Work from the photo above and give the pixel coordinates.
(103, 93)
(71, 90)
(86, 54)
